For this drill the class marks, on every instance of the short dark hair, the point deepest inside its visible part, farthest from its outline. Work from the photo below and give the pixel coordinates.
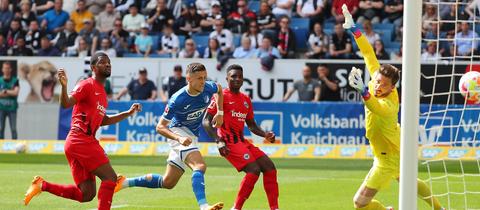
(7, 63)
(234, 67)
(95, 58)
(195, 67)
(391, 72)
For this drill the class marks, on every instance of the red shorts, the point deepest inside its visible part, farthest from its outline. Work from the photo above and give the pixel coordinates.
(242, 154)
(84, 156)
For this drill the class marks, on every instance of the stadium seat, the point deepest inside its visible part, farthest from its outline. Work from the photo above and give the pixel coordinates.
(393, 45)
(181, 40)
(163, 55)
(132, 55)
(301, 36)
(156, 42)
(200, 40)
(254, 6)
(328, 26)
(237, 39)
(300, 23)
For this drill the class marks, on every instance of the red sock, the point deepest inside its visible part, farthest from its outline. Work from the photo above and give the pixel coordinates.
(246, 187)
(66, 191)
(105, 194)
(271, 188)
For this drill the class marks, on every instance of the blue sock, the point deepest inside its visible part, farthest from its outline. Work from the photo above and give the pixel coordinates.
(149, 180)
(198, 185)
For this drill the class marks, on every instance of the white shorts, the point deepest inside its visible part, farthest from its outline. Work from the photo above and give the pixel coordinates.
(178, 152)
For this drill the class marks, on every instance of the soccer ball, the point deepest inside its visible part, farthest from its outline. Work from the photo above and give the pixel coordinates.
(469, 87)
(20, 147)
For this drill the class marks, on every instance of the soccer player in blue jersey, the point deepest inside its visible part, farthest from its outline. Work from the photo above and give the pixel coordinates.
(180, 124)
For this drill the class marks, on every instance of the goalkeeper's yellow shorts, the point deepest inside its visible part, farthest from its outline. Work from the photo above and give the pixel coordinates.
(382, 172)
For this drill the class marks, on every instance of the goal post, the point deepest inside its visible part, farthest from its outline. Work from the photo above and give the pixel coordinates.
(412, 18)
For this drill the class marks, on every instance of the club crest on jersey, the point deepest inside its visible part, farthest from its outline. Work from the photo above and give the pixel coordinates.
(245, 104)
(246, 156)
(101, 108)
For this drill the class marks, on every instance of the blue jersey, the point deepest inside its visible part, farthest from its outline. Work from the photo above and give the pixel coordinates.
(185, 110)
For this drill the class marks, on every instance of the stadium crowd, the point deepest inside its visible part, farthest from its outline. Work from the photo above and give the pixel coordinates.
(224, 29)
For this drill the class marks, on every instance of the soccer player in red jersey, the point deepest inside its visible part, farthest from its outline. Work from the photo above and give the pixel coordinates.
(85, 156)
(242, 154)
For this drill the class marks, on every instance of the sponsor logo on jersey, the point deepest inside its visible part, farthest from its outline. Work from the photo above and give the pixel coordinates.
(238, 114)
(195, 115)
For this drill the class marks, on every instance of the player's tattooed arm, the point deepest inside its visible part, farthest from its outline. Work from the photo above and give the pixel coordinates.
(65, 100)
(112, 119)
(254, 128)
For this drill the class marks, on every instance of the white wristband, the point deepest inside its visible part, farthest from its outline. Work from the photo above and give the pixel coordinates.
(220, 144)
(220, 112)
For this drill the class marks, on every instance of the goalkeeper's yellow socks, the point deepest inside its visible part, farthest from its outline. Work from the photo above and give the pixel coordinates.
(425, 194)
(373, 205)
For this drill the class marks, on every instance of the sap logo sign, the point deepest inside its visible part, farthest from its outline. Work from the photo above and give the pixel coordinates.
(430, 152)
(195, 115)
(36, 147)
(112, 148)
(212, 150)
(268, 121)
(8, 146)
(163, 148)
(457, 153)
(348, 151)
(369, 152)
(322, 151)
(58, 147)
(296, 151)
(138, 148)
(270, 150)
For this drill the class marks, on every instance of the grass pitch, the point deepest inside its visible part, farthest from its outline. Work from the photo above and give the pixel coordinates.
(304, 184)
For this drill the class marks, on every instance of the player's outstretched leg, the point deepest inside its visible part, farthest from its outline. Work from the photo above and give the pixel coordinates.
(167, 181)
(109, 179)
(195, 161)
(270, 183)
(363, 199)
(252, 172)
(425, 194)
(39, 185)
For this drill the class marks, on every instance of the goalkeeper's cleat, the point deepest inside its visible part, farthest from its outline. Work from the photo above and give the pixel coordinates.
(348, 18)
(120, 180)
(217, 206)
(34, 189)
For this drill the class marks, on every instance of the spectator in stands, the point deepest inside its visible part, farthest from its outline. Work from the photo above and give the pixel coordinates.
(370, 10)
(213, 49)
(122, 5)
(174, 83)
(143, 42)
(464, 39)
(266, 49)
(431, 32)
(431, 54)
(106, 47)
(6, 15)
(189, 23)
(3, 46)
(169, 43)
(80, 15)
(55, 19)
(371, 35)
(119, 38)
(13, 32)
(329, 90)
(20, 48)
(282, 7)
(311, 9)
(224, 36)
(66, 38)
(34, 35)
(132, 22)
(394, 13)
(208, 21)
(41, 7)
(336, 10)
(286, 38)
(246, 50)
(81, 48)
(318, 43)
(203, 7)
(90, 34)
(380, 50)
(160, 17)
(25, 14)
(97, 6)
(190, 50)
(105, 20)
(397, 55)
(267, 23)
(254, 35)
(47, 49)
(446, 26)
(473, 10)
(340, 44)
(8, 100)
(308, 88)
(240, 18)
(140, 89)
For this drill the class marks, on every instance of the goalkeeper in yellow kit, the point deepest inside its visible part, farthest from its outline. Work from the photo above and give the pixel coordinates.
(382, 128)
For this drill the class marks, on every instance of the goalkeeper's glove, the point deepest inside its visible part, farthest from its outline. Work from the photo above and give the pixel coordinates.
(348, 18)
(222, 148)
(356, 82)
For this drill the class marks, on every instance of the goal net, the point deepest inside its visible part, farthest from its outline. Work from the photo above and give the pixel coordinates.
(449, 125)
